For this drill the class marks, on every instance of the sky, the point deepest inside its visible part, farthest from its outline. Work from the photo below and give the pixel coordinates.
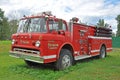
(88, 11)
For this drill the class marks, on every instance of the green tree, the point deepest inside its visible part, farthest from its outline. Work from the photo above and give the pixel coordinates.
(118, 25)
(4, 28)
(113, 34)
(13, 26)
(101, 23)
(1, 22)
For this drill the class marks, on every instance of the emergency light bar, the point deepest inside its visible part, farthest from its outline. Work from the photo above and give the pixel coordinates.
(46, 13)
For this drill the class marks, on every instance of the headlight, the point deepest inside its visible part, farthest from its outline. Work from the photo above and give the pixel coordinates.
(13, 41)
(37, 43)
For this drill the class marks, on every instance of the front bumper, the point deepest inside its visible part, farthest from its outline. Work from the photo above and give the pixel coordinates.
(29, 57)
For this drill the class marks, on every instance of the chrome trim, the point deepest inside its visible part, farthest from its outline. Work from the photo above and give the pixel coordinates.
(109, 48)
(82, 57)
(83, 31)
(95, 51)
(49, 57)
(29, 57)
(26, 51)
(92, 51)
(94, 37)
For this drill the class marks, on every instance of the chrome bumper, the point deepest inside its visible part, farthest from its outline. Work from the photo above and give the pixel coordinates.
(29, 57)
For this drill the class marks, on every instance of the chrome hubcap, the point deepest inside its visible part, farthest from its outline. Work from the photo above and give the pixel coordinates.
(103, 53)
(66, 61)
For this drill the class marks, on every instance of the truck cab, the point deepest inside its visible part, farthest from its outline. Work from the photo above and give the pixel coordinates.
(39, 38)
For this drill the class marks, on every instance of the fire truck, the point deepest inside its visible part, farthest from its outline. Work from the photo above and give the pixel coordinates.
(43, 38)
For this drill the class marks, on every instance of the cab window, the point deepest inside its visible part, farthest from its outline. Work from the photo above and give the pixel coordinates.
(56, 25)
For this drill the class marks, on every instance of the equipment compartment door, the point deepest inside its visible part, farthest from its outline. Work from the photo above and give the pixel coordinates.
(80, 38)
(83, 40)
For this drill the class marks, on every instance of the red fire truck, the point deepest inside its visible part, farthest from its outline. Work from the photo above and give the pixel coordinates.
(43, 38)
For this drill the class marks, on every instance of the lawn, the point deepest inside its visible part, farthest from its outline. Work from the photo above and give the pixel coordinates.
(88, 69)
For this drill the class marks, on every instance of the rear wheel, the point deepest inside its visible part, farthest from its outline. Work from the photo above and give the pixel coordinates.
(102, 52)
(65, 60)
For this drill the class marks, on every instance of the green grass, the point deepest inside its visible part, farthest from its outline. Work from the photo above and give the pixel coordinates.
(89, 69)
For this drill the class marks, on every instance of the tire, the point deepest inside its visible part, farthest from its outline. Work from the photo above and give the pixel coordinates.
(102, 52)
(65, 60)
(31, 64)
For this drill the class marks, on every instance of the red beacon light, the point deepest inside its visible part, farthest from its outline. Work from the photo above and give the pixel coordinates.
(75, 19)
(47, 13)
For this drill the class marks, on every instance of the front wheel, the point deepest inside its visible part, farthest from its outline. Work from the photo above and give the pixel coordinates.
(102, 52)
(65, 60)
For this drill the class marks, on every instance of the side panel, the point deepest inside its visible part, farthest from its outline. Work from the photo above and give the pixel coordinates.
(80, 38)
(97, 42)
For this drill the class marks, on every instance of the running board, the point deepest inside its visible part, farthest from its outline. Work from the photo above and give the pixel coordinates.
(82, 57)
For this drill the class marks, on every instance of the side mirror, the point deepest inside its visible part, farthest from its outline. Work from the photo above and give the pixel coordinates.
(62, 32)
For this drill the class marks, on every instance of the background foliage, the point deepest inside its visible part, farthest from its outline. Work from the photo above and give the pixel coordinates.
(7, 27)
(118, 25)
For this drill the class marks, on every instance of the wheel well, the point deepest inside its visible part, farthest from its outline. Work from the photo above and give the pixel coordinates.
(69, 47)
(103, 45)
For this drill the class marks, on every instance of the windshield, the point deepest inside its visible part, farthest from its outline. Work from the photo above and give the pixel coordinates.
(32, 25)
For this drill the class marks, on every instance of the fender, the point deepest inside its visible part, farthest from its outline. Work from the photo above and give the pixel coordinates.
(58, 53)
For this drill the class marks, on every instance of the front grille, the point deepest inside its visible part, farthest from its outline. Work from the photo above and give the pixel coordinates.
(26, 51)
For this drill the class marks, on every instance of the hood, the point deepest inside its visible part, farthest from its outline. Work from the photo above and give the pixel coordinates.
(37, 36)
